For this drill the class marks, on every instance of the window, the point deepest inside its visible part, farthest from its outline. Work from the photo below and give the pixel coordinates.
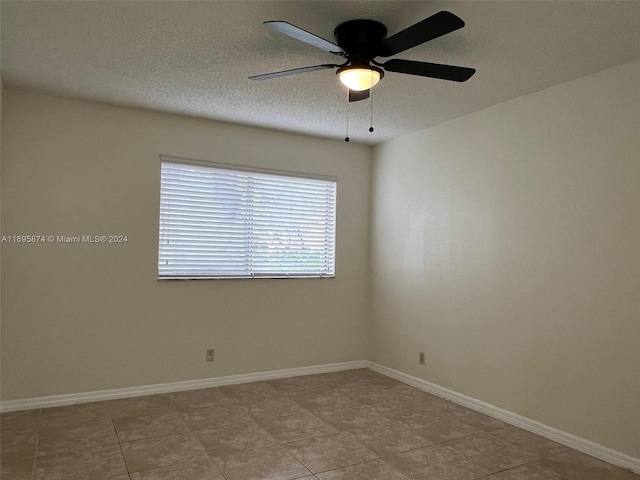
(222, 222)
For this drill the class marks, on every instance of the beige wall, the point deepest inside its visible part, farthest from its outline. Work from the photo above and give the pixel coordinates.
(506, 247)
(78, 318)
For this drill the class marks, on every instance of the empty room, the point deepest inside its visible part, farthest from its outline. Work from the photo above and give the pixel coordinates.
(320, 240)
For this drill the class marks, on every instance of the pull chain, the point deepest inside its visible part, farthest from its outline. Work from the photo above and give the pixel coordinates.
(371, 107)
(346, 139)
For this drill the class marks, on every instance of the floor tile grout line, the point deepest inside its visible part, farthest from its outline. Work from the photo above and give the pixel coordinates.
(505, 469)
(35, 455)
(335, 434)
(185, 462)
(300, 461)
(275, 445)
(35, 451)
(350, 465)
(285, 442)
(544, 457)
(384, 459)
(124, 459)
(205, 450)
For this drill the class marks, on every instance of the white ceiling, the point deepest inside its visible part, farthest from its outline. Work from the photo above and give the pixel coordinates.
(194, 57)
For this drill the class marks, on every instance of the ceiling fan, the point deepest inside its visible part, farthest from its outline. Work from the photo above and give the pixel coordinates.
(359, 42)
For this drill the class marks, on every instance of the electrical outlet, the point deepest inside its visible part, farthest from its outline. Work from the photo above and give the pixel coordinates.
(421, 358)
(210, 354)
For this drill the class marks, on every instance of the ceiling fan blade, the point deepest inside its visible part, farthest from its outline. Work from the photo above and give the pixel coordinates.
(293, 71)
(433, 27)
(304, 36)
(433, 70)
(356, 96)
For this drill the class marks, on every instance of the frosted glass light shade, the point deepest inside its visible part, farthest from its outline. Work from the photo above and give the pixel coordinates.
(359, 79)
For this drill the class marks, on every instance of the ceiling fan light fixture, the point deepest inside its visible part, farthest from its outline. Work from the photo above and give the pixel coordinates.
(359, 77)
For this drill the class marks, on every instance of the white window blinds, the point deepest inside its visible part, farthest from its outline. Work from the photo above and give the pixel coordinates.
(222, 223)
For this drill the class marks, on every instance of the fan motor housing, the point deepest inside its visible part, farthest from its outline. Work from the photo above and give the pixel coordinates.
(359, 38)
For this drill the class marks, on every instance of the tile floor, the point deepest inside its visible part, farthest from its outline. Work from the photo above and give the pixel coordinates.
(354, 425)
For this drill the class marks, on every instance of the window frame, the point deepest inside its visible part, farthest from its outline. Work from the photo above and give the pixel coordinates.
(248, 169)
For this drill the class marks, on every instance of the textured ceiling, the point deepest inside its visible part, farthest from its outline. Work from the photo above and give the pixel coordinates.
(194, 57)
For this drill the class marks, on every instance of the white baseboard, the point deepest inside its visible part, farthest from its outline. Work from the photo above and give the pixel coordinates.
(128, 392)
(577, 443)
